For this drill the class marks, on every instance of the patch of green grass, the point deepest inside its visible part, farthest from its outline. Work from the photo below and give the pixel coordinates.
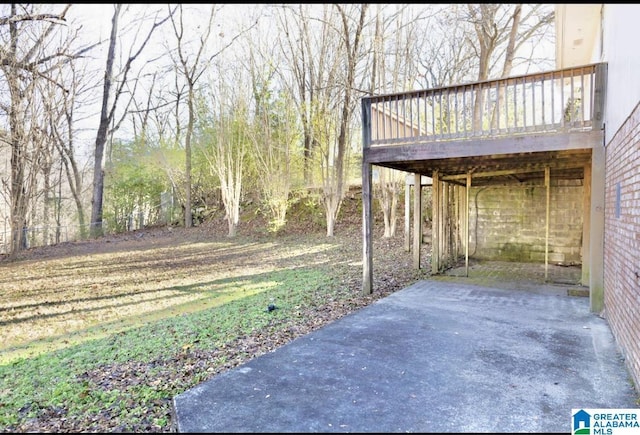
(58, 381)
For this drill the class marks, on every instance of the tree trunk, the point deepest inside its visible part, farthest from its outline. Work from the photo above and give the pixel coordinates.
(389, 206)
(45, 206)
(486, 32)
(188, 218)
(508, 60)
(330, 213)
(18, 211)
(101, 137)
(334, 184)
(18, 200)
(233, 227)
(231, 190)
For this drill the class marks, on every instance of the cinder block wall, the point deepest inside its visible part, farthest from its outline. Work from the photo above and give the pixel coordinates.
(622, 240)
(508, 222)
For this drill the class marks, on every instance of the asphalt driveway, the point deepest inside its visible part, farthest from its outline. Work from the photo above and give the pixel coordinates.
(435, 357)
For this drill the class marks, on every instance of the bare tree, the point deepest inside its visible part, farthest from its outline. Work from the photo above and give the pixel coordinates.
(352, 25)
(226, 146)
(394, 69)
(110, 103)
(190, 67)
(274, 135)
(305, 58)
(274, 131)
(502, 30)
(34, 46)
(60, 113)
(322, 48)
(444, 55)
(191, 70)
(330, 48)
(498, 36)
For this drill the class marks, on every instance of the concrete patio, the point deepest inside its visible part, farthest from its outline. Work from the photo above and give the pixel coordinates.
(448, 354)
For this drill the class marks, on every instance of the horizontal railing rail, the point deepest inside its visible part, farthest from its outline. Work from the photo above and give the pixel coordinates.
(548, 102)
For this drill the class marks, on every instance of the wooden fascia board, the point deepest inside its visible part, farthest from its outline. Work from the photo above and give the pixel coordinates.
(484, 147)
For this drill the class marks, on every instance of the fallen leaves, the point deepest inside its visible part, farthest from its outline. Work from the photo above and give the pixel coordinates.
(76, 285)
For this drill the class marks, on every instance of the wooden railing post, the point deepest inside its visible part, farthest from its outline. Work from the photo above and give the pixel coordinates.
(600, 86)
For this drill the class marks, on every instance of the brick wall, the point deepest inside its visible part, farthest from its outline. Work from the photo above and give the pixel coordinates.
(509, 222)
(622, 240)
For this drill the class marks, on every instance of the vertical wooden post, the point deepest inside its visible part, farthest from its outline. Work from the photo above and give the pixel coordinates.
(466, 225)
(417, 219)
(367, 215)
(445, 251)
(586, 225)
(547, 183)
(596, 239)
(456, 221)
(407, 215)
(435, 224)
(600, 86)
(597, 197)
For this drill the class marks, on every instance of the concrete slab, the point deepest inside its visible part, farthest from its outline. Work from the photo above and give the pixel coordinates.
(434, 357)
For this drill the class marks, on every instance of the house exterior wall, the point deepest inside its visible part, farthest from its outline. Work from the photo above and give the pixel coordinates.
(622, 180)
(508, 223)
(622, 240)
(620, 50)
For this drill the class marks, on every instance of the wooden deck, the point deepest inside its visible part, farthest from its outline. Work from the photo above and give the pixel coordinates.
(531, 128)
(493, 130)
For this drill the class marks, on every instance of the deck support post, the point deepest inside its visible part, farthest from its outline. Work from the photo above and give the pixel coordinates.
(586, 225)
(596, 239)
(407, 216)
(417, 219)
(547, 183)
(435, 223)
(367, 196)
(367, 224)
(466, 225)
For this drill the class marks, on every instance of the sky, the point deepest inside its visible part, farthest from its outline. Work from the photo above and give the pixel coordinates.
(96, 21)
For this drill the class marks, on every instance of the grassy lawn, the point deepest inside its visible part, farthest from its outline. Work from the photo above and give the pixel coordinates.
(100, 335)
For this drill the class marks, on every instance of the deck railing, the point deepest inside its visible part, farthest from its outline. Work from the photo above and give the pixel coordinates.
(550, 102)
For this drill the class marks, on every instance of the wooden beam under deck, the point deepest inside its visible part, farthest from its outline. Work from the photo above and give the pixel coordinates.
(564, 154)
(486, 147)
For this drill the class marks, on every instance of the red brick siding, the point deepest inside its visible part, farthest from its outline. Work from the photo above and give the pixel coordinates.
(622, 241)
